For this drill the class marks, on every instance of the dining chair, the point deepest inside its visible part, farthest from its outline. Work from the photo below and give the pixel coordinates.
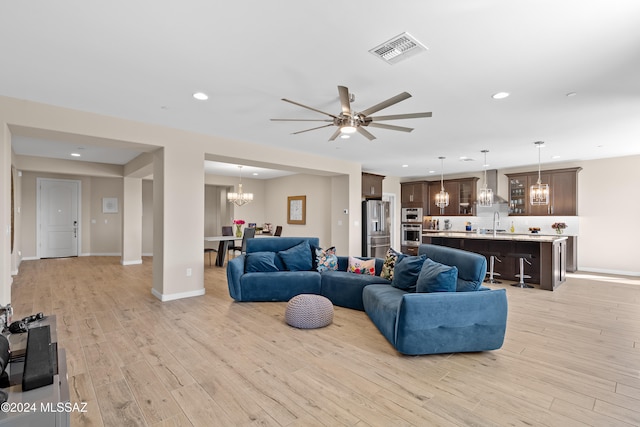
(249, 233)
(278, 231)
(227, 230)
(208, 251)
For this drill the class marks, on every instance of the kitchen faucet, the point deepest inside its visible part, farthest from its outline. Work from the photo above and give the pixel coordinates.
(496, 222)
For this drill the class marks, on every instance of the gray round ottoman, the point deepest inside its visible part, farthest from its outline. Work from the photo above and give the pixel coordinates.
(308, 311)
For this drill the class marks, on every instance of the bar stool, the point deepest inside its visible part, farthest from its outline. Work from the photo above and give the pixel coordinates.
(523, 258)
(493, 256)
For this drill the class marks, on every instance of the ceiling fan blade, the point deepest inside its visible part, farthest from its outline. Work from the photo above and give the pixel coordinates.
(301, 120)
(399, 116)
(366, 133)
(344, 100)
(308, 108)
(384, 104)
(335, 135)
(390, 127)
(307, 130)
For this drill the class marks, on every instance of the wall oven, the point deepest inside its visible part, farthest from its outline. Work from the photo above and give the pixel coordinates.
(411, 234)
(412, 215)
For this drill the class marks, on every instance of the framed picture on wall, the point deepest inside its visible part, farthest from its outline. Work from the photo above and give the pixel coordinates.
(109, 205)
(297, 210)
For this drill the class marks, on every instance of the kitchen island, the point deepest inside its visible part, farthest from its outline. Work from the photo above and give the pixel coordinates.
(548, 253)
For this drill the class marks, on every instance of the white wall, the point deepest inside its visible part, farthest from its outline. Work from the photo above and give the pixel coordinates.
(317, 190)
(147, 217)
(609, 209)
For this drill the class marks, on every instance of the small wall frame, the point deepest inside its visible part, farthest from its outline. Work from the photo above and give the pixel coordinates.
(110, 205)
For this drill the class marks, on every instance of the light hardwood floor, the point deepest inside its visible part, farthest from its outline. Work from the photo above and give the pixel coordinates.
(571, 357)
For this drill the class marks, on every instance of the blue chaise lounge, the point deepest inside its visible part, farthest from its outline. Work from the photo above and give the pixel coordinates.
(473, 318)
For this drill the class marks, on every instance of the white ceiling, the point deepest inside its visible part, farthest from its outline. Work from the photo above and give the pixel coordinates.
(144, 60)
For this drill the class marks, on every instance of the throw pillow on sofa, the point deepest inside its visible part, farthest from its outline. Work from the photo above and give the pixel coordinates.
(360, 266)
(406, 272)
(391, 259)
(297, 258)
(260, 262)
(326, 259)
(436, 277)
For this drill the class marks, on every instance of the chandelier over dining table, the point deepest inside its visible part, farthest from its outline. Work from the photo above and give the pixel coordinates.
(240, 198)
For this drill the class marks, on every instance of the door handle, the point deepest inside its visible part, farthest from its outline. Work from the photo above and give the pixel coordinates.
(75, 229)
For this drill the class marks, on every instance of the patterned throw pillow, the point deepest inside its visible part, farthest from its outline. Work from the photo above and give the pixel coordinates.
(326, 259)
(360, 266)
(390, 261)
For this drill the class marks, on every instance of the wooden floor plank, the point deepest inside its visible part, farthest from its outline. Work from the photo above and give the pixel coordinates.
(570, 357)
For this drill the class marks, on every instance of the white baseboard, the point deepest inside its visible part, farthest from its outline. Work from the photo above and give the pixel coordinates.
(134, 262)
(148, 254)
(30, 258)
(180, 295)
(605, 271)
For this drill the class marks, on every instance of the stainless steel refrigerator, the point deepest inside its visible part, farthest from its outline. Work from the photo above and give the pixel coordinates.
(376, 228)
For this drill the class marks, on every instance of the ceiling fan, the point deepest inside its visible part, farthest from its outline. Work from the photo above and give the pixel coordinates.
(349, 121)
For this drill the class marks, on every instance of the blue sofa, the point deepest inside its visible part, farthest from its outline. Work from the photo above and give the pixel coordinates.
(342, 288)
(473, 318)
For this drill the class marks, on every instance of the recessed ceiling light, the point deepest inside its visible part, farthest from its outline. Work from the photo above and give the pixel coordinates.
(432, 171)
(201, 96)
(345, 136)
(571, 94)
(500, 95)
(405, 166)
(75, 154)
(255, 174)
(556, 157)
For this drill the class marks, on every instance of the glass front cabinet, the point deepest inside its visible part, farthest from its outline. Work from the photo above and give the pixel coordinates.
(563, 188)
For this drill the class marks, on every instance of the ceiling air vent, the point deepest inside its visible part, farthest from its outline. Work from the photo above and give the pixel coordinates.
(398, 48)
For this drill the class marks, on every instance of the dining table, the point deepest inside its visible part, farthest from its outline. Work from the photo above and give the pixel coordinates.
(223, 245)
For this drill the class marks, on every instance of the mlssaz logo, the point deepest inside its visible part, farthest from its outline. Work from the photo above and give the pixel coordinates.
(63, 407)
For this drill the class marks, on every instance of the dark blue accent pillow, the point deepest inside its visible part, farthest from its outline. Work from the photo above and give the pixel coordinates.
(436, 277)
(297, 258)
(406, 272)
(278, 262)
(260, 262)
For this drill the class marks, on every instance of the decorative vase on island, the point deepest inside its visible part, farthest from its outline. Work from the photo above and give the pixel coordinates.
(238, 230)
(559, 230)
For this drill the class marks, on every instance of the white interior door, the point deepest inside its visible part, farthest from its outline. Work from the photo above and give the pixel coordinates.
(58, 217)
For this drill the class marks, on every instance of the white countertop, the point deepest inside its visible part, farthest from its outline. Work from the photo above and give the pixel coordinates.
(499, 236)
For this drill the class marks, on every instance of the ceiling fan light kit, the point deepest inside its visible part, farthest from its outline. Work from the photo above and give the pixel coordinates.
(348, 121)
(539, 192)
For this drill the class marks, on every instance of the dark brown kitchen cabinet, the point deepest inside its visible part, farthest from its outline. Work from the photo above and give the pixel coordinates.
(414, 194)
(371, 185)
(563, 188)
(565, 192)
